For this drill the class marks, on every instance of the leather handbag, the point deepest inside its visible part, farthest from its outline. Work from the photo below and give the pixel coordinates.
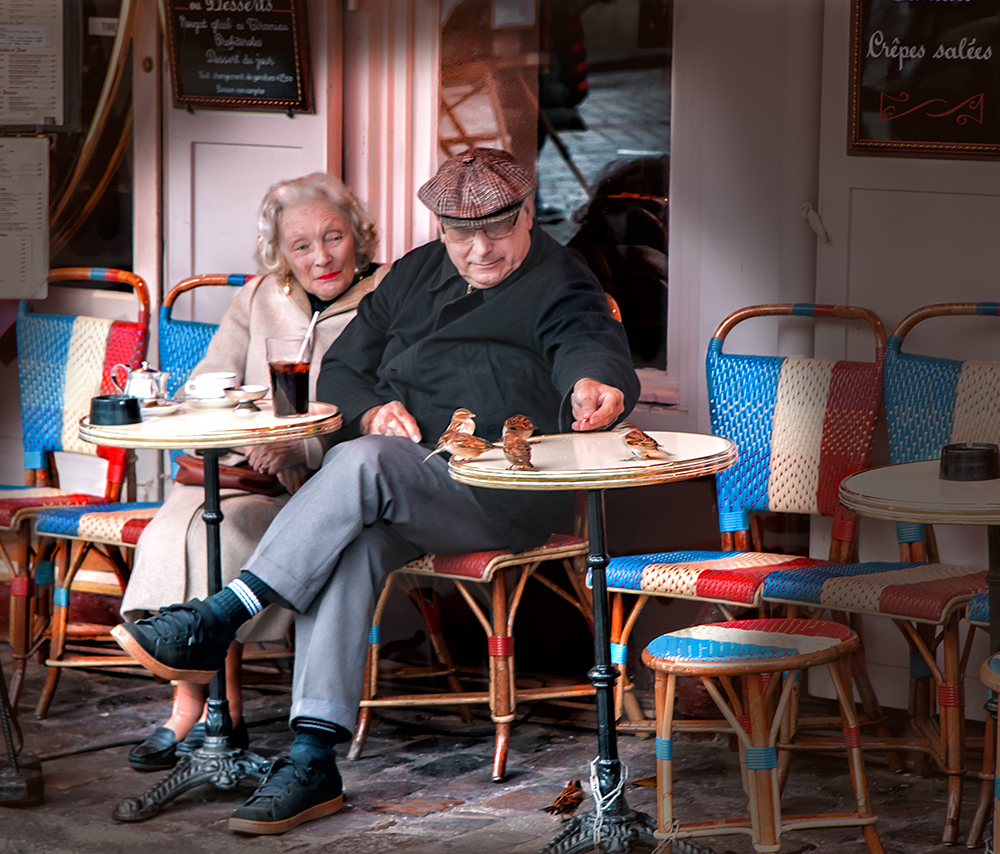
(191, 472)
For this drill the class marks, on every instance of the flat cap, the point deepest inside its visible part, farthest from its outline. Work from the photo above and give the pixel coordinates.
(477, 186)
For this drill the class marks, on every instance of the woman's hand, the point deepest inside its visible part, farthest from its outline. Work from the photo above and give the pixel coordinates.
(390, 419)
(293, 477)
(276, 458)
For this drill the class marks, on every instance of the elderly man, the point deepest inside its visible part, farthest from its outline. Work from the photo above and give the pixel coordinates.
(495, 317)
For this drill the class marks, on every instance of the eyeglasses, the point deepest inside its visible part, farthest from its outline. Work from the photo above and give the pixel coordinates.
(493, 230)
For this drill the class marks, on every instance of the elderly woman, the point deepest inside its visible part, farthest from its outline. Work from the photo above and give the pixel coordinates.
(315, 247)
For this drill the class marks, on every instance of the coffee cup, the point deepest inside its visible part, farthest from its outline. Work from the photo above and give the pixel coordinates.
(210, 386)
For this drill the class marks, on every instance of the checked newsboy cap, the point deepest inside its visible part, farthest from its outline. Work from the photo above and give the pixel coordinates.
(477, 186)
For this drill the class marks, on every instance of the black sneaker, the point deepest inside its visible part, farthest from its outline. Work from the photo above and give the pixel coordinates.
(185, 642)
(156, 753)
(293, 793)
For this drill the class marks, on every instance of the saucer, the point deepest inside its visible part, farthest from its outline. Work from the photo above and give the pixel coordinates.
(160, 407)
(211, 402)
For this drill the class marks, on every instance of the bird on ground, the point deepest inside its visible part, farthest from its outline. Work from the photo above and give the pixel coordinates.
(518, 452)
(641, 446)
(520, 425)
(462, 446)
(567, 800)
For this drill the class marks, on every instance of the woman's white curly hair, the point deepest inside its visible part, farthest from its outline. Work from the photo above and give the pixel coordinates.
(316, 187)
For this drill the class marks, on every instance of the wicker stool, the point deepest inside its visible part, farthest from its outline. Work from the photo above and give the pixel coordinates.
(989, 675)
(755, 650)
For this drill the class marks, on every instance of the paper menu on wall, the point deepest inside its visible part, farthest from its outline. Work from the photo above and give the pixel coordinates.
(24, 227)
(31, 62)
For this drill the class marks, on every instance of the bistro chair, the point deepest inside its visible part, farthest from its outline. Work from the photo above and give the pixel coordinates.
(800, 425)
(756, 662)
(114, 529)
(989, 675)
(63, 361)
(497, 621)
(930, 402)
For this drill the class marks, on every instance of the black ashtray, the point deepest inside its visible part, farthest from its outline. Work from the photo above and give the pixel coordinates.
(974, 461)
(110, 409)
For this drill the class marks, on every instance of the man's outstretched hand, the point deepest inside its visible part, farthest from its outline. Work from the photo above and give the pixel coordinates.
(595, 405)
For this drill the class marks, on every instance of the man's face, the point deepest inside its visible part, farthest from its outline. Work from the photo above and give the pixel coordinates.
(484, 261)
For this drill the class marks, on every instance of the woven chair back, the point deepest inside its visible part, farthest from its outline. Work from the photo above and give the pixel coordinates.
(801, 425)
(183, 343)
(931, 401)
(64, 361)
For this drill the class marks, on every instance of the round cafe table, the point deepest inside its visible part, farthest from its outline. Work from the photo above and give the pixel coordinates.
(594, 462)
(913, 492)
(213, 430)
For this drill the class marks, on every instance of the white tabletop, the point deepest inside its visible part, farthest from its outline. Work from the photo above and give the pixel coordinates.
(913, 492)
(193, 427)
(596, 461)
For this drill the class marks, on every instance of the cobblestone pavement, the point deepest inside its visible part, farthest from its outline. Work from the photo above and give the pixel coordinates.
(414, 790)
(627, 113)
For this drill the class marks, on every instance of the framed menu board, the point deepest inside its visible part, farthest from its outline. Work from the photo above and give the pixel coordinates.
(239, 55)
(925, 78)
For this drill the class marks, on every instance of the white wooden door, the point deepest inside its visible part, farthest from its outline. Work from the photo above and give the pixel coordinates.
(219, 164)
(903, 232)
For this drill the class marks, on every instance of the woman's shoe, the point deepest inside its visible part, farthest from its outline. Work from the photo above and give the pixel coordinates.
(239, 738)
(156, 753)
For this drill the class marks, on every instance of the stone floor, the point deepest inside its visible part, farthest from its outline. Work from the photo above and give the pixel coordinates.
(423, 785)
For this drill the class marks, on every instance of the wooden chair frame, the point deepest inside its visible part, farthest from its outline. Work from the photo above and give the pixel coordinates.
(30, 614)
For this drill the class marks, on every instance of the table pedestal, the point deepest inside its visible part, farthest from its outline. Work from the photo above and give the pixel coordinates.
(215, 762)
(612, 825)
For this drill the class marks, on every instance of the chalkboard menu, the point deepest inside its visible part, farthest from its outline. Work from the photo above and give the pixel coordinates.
(239, 55)
(925, 78)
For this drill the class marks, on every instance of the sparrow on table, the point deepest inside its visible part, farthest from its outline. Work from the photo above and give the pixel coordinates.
(518, 425)
(567, 800)
(518, 452)
(641, 446)
(462, 446)
(463, 421)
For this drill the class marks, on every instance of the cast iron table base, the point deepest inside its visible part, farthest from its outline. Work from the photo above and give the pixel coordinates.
(215, 762)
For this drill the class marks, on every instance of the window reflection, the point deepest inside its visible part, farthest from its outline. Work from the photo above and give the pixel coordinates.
(579, 92)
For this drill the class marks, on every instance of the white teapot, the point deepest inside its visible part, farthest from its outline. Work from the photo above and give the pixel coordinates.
(146, 383)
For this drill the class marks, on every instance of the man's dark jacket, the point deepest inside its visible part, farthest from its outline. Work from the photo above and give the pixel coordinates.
(516, 348)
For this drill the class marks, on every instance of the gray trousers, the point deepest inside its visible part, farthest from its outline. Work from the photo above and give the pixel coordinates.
(370, 509)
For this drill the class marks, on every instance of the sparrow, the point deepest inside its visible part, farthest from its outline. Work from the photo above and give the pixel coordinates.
(462, 446)
(567, 800)
(517, 451)
(641, 446)
(520, 425)
(463, 421)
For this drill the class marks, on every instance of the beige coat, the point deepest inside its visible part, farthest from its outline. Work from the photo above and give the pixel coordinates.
(166, 573)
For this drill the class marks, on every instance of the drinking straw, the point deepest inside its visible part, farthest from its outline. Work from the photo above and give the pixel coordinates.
(305, 340)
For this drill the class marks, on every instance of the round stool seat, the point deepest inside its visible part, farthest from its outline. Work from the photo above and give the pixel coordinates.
(989, 673)
(740, 647)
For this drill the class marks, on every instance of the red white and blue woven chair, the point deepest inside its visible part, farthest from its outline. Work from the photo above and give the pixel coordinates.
(930, 402)
(63, 361)
(800, 425)
(767, 654)
(113, 529)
